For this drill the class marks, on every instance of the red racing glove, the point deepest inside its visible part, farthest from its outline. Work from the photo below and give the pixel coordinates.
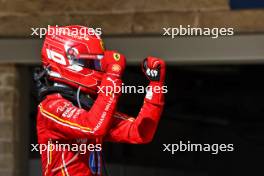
(113, 63)
(154, 69)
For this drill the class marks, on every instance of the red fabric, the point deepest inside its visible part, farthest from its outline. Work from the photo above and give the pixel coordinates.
(60, 121)
(142, 128)
(113, 63)
(157, 64)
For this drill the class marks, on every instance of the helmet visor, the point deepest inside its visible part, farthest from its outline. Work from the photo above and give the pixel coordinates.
(92, 61)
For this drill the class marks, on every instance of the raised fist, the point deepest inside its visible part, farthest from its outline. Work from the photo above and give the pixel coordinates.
(154, 68)
(113, 63)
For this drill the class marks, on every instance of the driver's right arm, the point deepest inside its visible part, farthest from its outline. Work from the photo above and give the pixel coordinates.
(58, 118)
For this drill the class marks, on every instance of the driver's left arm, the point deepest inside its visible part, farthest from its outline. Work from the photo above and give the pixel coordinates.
(140, 129)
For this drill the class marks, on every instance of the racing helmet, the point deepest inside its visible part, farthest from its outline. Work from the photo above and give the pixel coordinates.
(72, 55)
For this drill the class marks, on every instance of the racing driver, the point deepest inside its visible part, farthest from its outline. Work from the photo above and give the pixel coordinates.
(78, 91)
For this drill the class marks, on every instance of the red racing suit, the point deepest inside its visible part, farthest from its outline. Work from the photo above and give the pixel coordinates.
(60, 122)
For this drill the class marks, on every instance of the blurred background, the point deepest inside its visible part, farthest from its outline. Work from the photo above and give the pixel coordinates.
(215, 85)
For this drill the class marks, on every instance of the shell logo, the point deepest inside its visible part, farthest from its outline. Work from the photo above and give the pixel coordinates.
(116, 68)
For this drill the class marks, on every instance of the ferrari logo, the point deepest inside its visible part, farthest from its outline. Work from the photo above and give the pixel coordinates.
(116, 56)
